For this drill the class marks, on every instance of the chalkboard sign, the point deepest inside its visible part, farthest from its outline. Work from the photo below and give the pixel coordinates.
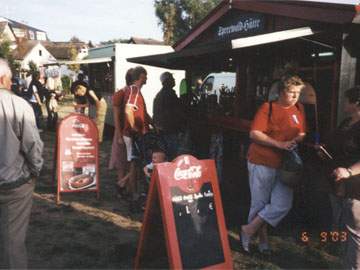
(77, 155)
(184, 218)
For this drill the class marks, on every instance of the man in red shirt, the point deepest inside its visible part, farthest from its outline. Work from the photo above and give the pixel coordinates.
(136, 125)
(118, 158)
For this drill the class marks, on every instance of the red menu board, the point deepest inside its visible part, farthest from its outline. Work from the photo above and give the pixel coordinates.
(184, 220)
(77, 155)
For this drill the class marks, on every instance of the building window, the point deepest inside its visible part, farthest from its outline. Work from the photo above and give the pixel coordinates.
(32, 35)
(40, 53)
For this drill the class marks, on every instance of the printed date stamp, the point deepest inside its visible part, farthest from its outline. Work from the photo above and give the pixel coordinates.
(324, 236)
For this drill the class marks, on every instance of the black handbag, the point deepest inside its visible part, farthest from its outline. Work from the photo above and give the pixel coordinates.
(291, 169)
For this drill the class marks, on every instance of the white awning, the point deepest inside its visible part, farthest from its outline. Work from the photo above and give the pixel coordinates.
(79, 62)
(271, 37)
(86, 61)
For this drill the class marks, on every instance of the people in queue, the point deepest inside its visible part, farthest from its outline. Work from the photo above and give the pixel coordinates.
(344, 147)
(168, 114)
(277, 127)
(20, 163)
(100, 104)
(118, 158)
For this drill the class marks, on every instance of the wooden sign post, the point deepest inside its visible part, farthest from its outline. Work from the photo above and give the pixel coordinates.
(184, 220)
(77, 155)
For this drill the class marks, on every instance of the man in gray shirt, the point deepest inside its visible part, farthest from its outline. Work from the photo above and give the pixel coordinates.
(20, 163)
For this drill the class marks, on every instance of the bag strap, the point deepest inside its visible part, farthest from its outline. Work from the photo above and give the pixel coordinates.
(136, 97)
(270, 111)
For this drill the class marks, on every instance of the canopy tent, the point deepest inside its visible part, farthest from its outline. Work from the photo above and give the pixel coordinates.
(82, 61)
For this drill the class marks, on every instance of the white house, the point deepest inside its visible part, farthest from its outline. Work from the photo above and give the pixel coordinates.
(32, 51)
(23, 31)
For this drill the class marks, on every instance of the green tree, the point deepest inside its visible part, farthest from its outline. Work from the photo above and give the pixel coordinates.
(178, 17)
(75, 39)
(73, 55)
(66, 83)
(32, 67)
(5, 49)
(115, 40)
(6, 53)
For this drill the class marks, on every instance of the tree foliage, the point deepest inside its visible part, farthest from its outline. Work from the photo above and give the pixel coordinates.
(75, 39)
(66, 83)
(5, 49)
(178, 17)
(115, 40)
(73, 55)
(6, 53)
(33, 67)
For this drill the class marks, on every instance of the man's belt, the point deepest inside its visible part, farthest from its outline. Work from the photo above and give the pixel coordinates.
(15, 184)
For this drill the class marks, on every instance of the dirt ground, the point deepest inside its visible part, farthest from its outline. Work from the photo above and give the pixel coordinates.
(83, 232)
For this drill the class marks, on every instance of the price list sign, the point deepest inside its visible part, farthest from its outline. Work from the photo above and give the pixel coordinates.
(184, 219)
(77, 155)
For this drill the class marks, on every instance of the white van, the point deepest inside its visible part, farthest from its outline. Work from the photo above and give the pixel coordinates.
(214, 82)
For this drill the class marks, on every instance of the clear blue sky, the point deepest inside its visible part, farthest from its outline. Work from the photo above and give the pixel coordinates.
(95, 20)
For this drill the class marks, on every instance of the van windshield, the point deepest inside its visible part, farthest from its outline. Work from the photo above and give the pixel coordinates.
(208, 85)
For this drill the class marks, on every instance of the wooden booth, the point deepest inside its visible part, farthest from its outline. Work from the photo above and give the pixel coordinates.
(258, 40)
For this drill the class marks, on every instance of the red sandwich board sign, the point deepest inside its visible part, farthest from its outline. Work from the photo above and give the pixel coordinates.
(184, 217)
(77, 155)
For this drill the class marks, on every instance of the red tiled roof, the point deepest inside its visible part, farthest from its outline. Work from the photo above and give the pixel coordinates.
(23, 49)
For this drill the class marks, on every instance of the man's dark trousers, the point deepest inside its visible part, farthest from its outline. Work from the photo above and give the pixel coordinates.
(15, 209)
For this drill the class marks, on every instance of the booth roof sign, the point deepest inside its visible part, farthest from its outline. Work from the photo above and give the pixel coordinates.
(244, 24)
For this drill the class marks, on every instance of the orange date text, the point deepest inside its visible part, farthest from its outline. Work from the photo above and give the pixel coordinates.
(324, 236)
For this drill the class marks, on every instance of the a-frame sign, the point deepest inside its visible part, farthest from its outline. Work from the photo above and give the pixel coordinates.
(77, 155)
(184, 225)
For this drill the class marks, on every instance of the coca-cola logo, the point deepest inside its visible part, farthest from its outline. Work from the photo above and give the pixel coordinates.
(184, 171)
(79, 126)
(190, 173)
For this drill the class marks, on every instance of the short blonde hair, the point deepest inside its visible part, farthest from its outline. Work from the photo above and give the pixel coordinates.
(289, 80)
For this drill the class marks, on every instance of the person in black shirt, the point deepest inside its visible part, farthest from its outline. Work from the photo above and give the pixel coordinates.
(35, 96)
(79, 100)
(168, 114)
(100, 104)
(344, 147)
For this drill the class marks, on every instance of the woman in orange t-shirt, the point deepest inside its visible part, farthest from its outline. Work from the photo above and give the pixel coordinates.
(277, 126)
